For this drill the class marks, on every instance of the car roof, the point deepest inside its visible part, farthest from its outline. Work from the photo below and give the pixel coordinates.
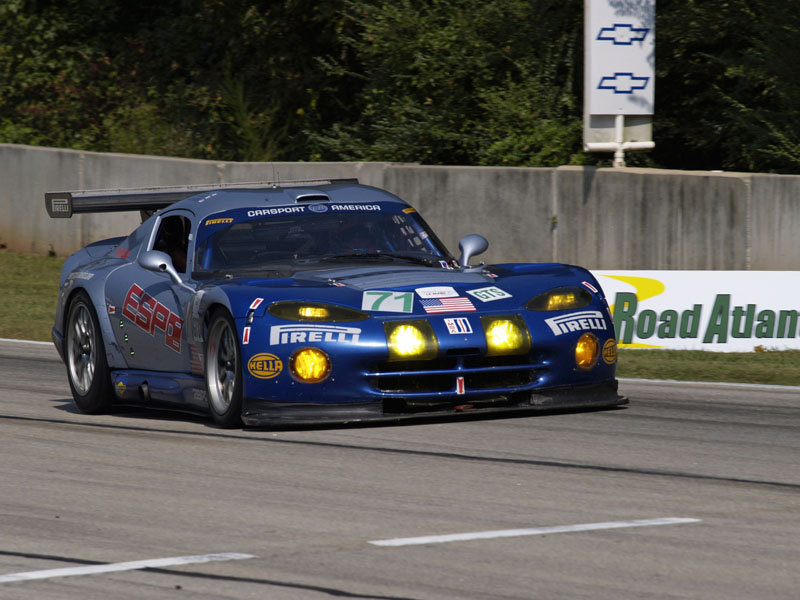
(219, 200)
(207, 199)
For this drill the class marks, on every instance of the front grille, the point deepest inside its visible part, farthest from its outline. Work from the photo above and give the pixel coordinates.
(439, 376)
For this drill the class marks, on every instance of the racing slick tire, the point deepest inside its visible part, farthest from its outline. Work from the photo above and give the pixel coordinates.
(223, 370)
(85, 356)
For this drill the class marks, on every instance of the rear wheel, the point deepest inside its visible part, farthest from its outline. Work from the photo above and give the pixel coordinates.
(223, 370)
(87, 368)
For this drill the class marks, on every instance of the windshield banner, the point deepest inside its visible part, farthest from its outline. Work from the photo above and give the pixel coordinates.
(720, 311)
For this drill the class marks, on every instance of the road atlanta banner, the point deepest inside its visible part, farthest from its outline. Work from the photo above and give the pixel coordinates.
(720, 311)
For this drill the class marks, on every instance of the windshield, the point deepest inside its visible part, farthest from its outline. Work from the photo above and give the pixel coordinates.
(256, 237)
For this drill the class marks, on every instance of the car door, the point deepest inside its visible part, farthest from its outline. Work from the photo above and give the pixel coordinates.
(147, 308)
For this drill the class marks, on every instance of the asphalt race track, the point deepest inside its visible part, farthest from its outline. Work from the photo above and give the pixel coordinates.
(692, 491)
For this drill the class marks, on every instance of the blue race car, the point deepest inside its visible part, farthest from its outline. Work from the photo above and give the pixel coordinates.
(313, 302)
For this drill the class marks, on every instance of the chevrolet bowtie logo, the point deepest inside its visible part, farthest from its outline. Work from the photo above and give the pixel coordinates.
(623, 83)
(622, 34)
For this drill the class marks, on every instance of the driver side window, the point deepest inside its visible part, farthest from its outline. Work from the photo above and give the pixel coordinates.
(173, 239)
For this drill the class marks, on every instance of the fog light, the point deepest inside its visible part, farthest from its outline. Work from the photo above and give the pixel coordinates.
(586, 351)
(506, 335)
(410, 340)
(310, 365)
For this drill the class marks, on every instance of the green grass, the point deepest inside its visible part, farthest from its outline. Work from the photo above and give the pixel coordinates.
(772, 366)
(29, 288)
(28, 295)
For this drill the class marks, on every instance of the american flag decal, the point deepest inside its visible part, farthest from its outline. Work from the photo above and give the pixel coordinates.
(444, 305)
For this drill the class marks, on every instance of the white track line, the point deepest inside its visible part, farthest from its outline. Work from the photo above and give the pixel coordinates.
(124, 566)
(486, 535)
(26, 342)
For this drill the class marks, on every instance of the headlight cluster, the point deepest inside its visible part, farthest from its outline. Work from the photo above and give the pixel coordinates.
(315, 311)
(415, 340)
(563, 298)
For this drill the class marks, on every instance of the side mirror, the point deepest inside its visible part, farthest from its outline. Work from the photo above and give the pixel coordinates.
(469, 246)
(160, 262)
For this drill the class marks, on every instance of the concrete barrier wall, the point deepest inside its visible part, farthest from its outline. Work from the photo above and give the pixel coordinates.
(599, 218)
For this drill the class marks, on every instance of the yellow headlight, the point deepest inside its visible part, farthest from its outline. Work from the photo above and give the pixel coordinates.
(310, 365)
(410, 340)
(561, 301)
(313, 312)
(586, 351)
(506, 335)
(562, 298)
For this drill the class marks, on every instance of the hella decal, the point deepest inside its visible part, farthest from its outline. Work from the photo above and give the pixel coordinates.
(150, 315)
(265, 366)
(610, 351)
(302, 334)
(577, 321)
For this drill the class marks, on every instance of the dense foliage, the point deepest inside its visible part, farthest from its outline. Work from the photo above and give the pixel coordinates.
(472, 82)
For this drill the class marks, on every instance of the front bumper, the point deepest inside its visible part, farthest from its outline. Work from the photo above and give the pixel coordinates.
(263, 413)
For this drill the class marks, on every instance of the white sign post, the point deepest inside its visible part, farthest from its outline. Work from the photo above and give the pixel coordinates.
(619, 76)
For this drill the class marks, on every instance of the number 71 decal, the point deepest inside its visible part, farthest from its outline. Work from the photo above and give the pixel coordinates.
(388, 301)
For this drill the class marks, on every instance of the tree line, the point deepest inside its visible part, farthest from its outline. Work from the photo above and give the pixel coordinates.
(467, 82)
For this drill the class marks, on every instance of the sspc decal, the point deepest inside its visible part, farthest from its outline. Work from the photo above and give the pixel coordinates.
(302, 334)
(577, 321)
(149, 315)
(382, 301)
(265, 366)
(488, 294)
(458, 325)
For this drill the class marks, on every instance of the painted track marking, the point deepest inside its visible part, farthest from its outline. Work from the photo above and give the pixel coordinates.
(123, 566)
(502, 533)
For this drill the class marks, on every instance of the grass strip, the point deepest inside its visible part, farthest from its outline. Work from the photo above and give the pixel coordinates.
(774, 367)
(29, 289)
(28, 295)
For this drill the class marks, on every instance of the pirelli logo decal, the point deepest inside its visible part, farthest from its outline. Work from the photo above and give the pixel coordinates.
(577, 321)
(301, 334)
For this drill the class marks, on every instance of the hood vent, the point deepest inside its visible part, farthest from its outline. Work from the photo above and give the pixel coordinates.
(312, 198)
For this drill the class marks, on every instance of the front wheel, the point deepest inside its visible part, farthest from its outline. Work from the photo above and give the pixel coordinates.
(223, 370)
(85, 354)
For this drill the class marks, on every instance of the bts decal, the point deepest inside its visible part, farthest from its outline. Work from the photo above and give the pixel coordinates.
(149, 315)
(458, 325)
(488, 294)
(388, 301)
(303, 334)
(577, 321)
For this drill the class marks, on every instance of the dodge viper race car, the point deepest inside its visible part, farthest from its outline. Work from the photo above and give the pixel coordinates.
(313, 302)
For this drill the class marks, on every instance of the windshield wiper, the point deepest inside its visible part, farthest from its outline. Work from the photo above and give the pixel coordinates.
(378, 255)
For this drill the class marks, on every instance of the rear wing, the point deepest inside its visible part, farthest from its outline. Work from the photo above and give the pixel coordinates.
(62, 205)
